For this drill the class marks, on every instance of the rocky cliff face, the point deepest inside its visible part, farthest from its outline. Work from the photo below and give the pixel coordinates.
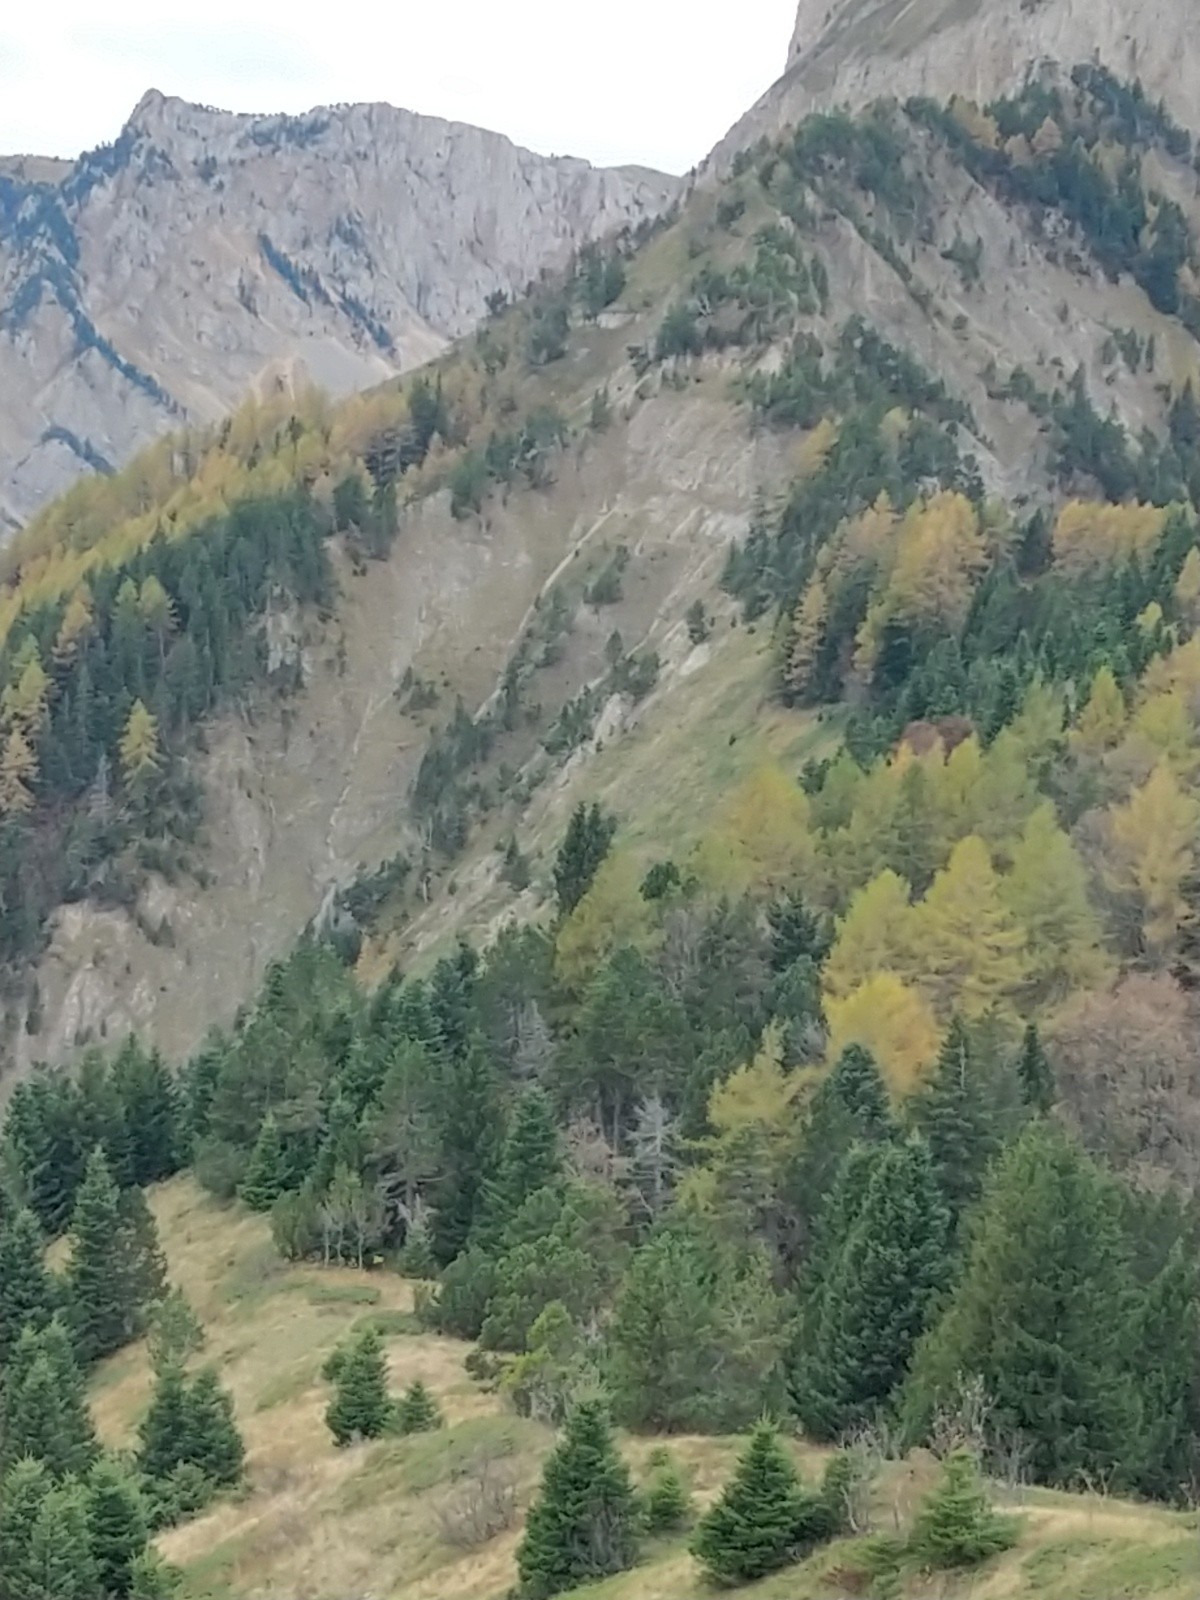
(849, 52)
(155, 280)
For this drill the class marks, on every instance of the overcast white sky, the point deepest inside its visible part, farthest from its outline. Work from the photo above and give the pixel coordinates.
(616, 80)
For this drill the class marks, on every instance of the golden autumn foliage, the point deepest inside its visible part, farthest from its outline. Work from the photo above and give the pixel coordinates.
(762, 839)
(18, 769)
(1103, 719)
(1046, 890)
(78, 621)
(894, 1022)
(807, 632)
(23, 703)
(939, 554)
(970, 951)
(138, 747)
(1187, 586)
(1152, 854)
(1089, 537)
(611, 914)
(874, 936)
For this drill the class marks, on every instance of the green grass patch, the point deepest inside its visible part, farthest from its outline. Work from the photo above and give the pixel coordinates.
(389, 1324)
(285, 1387)
(344, 1294)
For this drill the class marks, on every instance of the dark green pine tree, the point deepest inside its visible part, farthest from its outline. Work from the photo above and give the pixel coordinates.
(856, 1083)
(266, 1171)
(163, 1435)
(143, 1265)
(1036, 1076)
(152, 1578)
(27, 1291)
(585, 845)
(952, 1112)
(37, 1423)
(861, 1328)
(1044, 1312)
(214, 1443)
(148, 1095)
(529, 1160)
(45, 1412)
(955, 1526)
(666, 1501)
(61, 1548)
(23, 1491)
(418, 1411)
(360, 1408)
(1168, 1323)
(469, 1119)
(583, 1523)
(761, 1520)
(97, 1283)
(797, 932)
(117, 1526)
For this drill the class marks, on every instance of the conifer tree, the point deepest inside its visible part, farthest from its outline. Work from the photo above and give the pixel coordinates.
(418, 1411)
(1043, 1314)
(266, 1172)
(27, 1291)
(60, 1551)
(45, 1419)
(762, 1518)
(117, 1526)
(878, 1286)
(163, 1432)
(587, 841)
(18, 772)
(214, 1443)
(529, 1160)
(152, 1578)
(955, 1527)
(857, 1084)
(98, 1285)
(583, 1524)
(953, 1114)
(139, 748)
(23, 1491)
(1036, 1074)
(360, 1408)
(143, 1266)
(1167, 1328)
(147, 1094)
(666, 1502)
(469, 1120)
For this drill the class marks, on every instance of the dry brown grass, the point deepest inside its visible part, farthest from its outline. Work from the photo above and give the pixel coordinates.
(316, 1523)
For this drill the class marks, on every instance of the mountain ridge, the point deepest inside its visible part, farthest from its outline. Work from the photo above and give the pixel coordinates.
(854, 51)
(156, 279)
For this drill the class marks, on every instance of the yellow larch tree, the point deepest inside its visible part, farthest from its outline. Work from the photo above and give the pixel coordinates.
(805, 638)
(1046, 891)
(1187, 587)
(1152, 855)
(23, 703)
(894, 1022)
(75, 626)
(875, 935)
(611, 914)
(18, 770)
(1162, 727)
(766, 825)
(157, 612)
(1089, 537)
(1103, 720)
(969, 947)
(138, 747)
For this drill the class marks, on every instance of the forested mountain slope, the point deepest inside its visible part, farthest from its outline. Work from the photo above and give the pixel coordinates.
(852, 51)
(159, 277)
(675, 832)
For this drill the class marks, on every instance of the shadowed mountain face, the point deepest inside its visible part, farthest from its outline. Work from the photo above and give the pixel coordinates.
(158, 278)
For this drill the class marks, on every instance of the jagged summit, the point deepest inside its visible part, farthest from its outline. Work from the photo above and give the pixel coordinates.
(852, 51)
(155, 279)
